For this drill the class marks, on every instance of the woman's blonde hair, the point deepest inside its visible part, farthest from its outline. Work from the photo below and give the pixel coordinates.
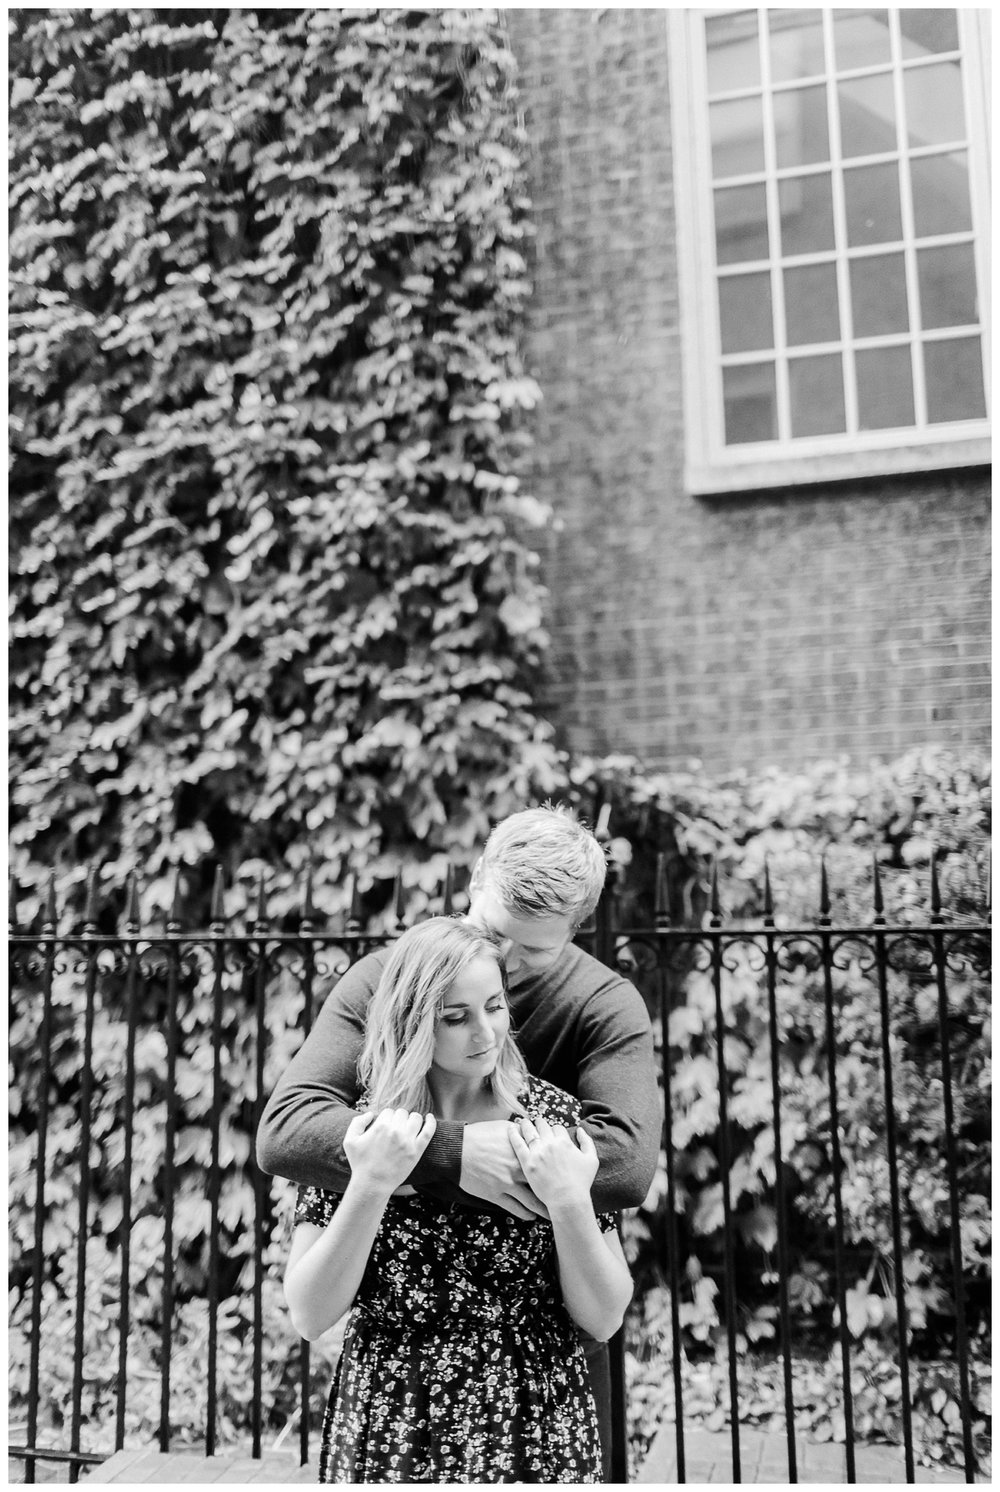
(400, 1028)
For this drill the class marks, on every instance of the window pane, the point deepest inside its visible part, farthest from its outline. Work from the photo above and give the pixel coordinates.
(737, 137)
(733, 54)
(878, 295)
(745, 312)
(740, 224)
(871, 195)
(800, 126)
(928, 31)
(885, 387)
(811, 309)
(750, 405)
(935, 113)
(806, 213)
(796, 38)
(941, 194)
(816, 386)
(867, 116)
(947, 279)
(860, 38)
(953, 372)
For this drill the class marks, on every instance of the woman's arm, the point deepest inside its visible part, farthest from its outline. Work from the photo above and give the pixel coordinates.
(593, 1274)
(326, 1265)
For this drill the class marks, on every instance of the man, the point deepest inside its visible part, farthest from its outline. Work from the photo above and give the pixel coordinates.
(579, 1024)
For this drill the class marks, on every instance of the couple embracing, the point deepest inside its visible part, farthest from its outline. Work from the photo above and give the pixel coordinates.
(471, 1108)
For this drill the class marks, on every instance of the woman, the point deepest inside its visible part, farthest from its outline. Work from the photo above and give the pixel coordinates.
(461, 1359)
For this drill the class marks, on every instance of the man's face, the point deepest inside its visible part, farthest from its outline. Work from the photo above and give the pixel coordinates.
(531, 945)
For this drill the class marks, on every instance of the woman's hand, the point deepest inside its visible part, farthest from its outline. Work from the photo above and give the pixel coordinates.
(557, 1170)
(383, 1148)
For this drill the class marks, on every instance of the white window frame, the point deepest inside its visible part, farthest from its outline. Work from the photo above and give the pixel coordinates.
(711, 466)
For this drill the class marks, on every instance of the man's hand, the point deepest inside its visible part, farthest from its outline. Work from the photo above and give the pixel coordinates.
(491, 1170)
(558, 1171)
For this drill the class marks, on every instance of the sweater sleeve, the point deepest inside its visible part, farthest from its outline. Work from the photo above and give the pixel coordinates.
(618, 1094)
(302, 1128)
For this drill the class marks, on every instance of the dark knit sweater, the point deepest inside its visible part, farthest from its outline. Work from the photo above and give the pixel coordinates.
(580, 1026)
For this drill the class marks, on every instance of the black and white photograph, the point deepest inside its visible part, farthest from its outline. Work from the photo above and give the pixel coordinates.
(499, 745)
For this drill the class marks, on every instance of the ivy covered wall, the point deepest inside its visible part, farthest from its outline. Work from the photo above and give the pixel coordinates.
(272, 586)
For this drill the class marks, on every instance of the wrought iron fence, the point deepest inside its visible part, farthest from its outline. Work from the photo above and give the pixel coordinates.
(194, 1224)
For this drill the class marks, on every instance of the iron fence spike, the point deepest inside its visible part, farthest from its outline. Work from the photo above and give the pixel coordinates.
(308, 910)
(713, 900)
(935, 888)
(661, 898)
(51, 913)
(90, 907)
(174, 919)
(447, 891)
(12, 903)
(824, 890)
(602, 831)
(131, 901)
(261, 907)
(398, 896)
(354, 906)
(768, 898)
(877, 900)
(218, 911)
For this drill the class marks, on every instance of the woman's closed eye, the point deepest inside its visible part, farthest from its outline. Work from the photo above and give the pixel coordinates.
(460, 1017)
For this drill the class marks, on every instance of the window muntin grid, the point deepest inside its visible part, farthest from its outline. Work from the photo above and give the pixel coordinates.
(842, 223)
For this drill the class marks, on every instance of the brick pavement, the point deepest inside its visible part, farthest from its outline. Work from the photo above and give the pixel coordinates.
(764, 1460)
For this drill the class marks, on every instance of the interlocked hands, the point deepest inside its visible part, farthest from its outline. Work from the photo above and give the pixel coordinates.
(557, 1170)
(383, 1148)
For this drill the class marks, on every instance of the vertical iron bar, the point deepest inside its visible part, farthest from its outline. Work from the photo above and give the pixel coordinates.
(132, 934)
(86, 1093)
(38, 1250)
(671, 1246)
(260, 979)
(779, 1175)
(951, 1161)
(217, 928)
(715, 938)
(170, 1141)
(308, 978)
(882, 969)
(604, 949)
(837, 1166)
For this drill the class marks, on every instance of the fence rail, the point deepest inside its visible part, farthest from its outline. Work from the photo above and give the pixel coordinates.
(133, 1143)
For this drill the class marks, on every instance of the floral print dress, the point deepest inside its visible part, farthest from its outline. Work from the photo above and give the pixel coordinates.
(460, 1362)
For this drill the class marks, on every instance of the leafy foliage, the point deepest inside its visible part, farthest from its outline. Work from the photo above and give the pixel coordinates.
(270, 598)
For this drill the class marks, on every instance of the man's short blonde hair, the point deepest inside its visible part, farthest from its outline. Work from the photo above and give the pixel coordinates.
(545, 862)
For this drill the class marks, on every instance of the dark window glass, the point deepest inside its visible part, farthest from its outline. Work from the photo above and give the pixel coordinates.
(816, 391)
(801, 128)
(953, 373)
(941, 201)
(867, 116)
(878, 295)
(737, 132)
(935, 109)
(947, 279)
(796, 41)
(733, 55)
(812, 312)
(740, 224)
(745, 312)
(885, 387)
(860, 38)
(806, 207)
(871, 195)
(925, 32)
(750, 404)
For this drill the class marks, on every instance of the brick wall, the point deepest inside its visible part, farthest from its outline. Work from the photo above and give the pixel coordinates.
(772, 628)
